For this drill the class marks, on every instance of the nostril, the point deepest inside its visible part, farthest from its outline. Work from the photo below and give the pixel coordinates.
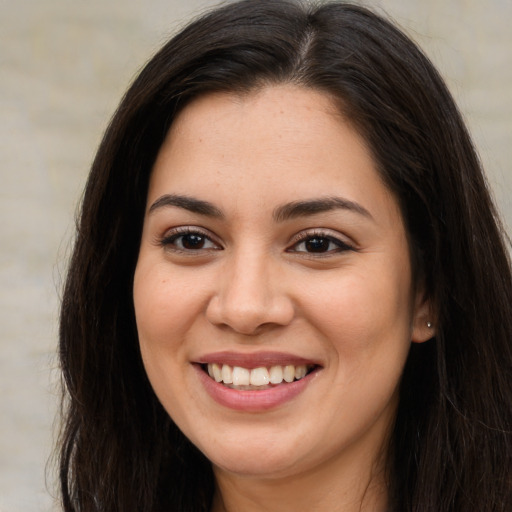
(249, 316)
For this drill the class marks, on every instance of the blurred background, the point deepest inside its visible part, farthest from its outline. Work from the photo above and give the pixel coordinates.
(64, 65)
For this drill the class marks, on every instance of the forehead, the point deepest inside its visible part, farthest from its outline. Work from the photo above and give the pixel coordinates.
(273, 99)
(285, 142)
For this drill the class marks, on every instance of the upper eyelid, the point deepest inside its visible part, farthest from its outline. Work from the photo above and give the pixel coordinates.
(301, 236)
(184, 230)
(323, 233)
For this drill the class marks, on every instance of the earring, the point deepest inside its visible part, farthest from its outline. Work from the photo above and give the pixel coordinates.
(429, 325)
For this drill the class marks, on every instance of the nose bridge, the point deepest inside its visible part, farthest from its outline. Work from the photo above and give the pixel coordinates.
(250, 282)
(250, 293)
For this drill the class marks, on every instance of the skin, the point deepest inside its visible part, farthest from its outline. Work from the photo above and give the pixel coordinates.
(254, 284)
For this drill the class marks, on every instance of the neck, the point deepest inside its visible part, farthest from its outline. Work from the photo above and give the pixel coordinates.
(354, 487)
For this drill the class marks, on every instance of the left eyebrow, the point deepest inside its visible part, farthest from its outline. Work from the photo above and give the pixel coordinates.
(187, 203)
(313, 206)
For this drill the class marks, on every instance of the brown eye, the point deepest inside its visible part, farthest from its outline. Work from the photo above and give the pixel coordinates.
(193, 241)
(188, 241)
(317, 244)
(320, 244)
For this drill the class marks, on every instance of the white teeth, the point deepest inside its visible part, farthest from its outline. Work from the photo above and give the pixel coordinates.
(227, 374)
(217, 373)
(276, 374)
(259, 377)
(300, 371)
(289, 373)
(241, 376)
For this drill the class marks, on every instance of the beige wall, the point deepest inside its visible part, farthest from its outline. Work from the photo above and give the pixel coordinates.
(63, 66)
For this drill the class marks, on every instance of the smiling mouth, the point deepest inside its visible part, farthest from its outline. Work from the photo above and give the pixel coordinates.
(245, 379)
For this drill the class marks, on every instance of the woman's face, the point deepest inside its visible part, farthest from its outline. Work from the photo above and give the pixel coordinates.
(274, 258)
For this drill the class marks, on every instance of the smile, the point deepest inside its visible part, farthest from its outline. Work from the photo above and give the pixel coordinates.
(238, 377)
(255, 382)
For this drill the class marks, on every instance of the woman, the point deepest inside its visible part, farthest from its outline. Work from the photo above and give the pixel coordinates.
(289, 288)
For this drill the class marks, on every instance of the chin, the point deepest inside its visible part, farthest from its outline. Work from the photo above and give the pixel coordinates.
(256, 466)
(258, 458)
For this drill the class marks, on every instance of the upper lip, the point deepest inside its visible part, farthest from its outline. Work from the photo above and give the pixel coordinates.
(255, 360)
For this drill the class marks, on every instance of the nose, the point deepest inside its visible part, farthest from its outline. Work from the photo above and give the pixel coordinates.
(250, 296)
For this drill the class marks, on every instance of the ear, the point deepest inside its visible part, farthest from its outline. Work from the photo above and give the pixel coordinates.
(423, 324)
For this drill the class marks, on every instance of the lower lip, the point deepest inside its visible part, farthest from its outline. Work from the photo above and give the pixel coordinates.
(253, 401)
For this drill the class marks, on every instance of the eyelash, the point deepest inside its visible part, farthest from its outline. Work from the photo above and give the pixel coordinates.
(303, 238)
(169, 242)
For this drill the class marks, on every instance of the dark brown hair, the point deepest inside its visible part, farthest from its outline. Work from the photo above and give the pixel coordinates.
(451, 449)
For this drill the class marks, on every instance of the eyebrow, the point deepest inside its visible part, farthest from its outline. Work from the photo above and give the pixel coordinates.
(187, 203)
(314, 206)
(282, 213)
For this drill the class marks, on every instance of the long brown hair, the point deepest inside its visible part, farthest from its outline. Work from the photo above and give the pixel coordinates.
(451, 448)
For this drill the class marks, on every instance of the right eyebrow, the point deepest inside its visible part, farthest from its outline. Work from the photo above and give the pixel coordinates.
(313, 206)
(187, 203)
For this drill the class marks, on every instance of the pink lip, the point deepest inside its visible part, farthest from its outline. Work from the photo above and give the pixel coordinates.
(253, 401)
(255, 360)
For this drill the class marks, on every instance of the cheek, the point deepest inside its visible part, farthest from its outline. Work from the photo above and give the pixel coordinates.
(157, 313)
(163, 316)
(154, 320)
(162, 310)
(363, 311)
(364, 322)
